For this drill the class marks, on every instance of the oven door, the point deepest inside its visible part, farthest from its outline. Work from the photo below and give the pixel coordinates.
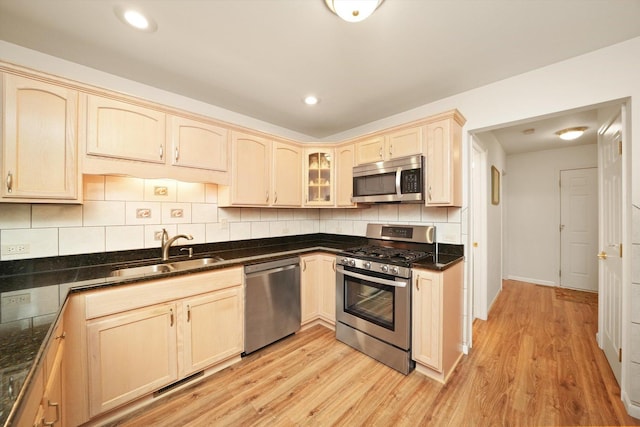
(376, 304)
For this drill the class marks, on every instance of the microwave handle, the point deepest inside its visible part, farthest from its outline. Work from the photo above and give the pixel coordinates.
(398, 181)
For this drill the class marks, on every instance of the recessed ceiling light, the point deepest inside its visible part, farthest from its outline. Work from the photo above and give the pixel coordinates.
(570, 134)
(311, 100)
(136, 19)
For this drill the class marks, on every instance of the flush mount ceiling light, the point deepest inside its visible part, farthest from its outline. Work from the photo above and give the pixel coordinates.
(136, 19)
(353, 10)
(311, 100)
(570, 134)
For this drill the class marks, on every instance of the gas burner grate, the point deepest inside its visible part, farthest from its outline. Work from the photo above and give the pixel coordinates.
(388, 254)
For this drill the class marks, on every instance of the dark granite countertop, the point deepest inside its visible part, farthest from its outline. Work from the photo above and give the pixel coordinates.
(20, 350)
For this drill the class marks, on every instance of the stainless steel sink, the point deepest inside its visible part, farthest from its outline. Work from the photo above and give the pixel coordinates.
(166, 268)
(194, 263)
(146, 269)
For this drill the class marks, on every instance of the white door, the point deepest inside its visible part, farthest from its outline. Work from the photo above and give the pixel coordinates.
(610, 270)
(579, 229)
(479, 231)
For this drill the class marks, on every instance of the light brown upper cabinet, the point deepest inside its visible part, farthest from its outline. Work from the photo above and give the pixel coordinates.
(250, 172)
(345, 161)
(39, 142)
(392, 145)
(287, 175)
(443, 160)
(125, 131)
(319, 166)
(196, 144)
(126, 138)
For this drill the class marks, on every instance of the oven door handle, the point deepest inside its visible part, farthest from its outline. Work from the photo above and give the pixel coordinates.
(373, 279)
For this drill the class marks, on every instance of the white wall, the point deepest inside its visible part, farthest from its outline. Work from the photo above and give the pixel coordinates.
(532, 196)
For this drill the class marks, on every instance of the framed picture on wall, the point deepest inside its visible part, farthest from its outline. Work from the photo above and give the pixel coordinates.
(495, 186)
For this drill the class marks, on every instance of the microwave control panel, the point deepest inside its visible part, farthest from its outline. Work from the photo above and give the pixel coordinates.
(411, 181)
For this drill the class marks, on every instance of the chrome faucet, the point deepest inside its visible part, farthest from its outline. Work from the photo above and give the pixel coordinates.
(167, 242)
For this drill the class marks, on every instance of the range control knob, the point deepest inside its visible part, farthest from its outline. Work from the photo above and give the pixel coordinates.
(367, 265)
(394, 270)
(385, 268)
(344, 261)
(352, 262)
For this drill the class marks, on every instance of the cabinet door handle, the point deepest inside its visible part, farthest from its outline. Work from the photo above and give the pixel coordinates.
(334, 265)
(380, 153)
(188, 313)
(267, 196)
(418, 282)
(171, 316)
(390, 149)
(161, 152)
(51, 423)
(177, 154)
(9, 182)
(275, 199)
(429, 193)
(304, 265)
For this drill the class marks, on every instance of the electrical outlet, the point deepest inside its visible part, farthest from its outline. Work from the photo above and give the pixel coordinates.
(20, 248)
(224, 224)
(15, 300)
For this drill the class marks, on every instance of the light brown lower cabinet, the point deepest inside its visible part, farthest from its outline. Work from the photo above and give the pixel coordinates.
(212, 329)
(318, 288)
(131, 354)
(43, 403)
(437, 321)
(124, 343)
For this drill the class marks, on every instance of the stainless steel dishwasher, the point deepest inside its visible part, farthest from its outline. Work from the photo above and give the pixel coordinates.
(272, 302)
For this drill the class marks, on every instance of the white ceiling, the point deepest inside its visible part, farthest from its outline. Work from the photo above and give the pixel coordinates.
(261, 57)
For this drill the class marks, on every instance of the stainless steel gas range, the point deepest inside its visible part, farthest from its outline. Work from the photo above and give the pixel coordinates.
(373, 292)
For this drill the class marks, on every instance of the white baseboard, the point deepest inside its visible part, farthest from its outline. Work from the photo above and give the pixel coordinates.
(530, 280)
(632, 408)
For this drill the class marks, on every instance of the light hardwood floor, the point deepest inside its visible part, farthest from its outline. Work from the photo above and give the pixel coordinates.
(534, 362)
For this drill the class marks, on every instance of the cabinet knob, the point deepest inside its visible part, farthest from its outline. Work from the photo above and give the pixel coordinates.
(390, 149)
(602, 255)
(380, 153)
(9, 182)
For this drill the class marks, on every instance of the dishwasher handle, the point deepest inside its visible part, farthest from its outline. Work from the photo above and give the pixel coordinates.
(271, 271)
(271, 266)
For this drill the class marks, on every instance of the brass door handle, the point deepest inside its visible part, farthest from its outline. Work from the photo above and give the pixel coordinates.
(602, 255)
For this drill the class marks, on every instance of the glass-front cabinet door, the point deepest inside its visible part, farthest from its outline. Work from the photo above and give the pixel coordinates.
(319, 165)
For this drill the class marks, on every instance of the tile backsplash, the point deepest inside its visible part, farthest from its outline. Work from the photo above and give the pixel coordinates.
(123, 213)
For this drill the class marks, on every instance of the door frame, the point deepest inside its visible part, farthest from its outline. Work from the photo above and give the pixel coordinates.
(478, 264)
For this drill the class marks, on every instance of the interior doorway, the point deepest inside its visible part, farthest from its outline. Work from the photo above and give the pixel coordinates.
(579, 229)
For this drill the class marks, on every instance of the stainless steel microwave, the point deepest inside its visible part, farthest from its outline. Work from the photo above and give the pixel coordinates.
(398, 180)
